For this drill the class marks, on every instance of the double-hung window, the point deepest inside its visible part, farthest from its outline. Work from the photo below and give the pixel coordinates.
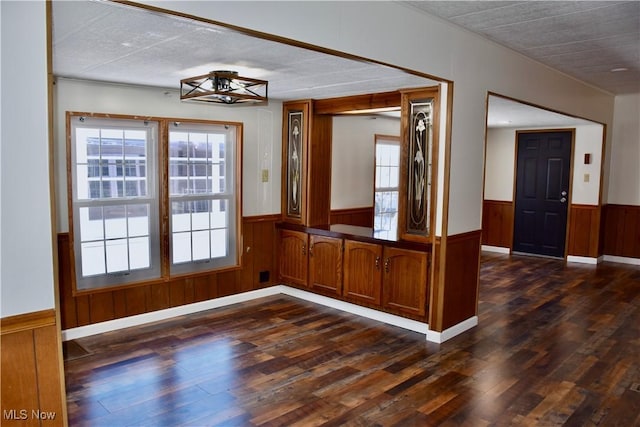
(114, 201)
(387, 158)
(152, 199)
(202, 196)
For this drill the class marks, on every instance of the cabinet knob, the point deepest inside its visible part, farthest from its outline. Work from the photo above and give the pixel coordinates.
(304, 249)
(311, 250)
(377, 263)
(387, 262)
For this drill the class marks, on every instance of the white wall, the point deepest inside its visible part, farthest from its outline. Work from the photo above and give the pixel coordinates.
(588, 140)
(498, 181)
(353, 156)
(501, 146)
(261, 125)
(26, 255)
(420, 42)
(624, 176)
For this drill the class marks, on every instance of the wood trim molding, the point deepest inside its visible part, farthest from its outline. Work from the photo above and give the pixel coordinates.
(27, 321)
(347, 104)
(348, 211)
(262, 218)
(362, 217)
(499, 202)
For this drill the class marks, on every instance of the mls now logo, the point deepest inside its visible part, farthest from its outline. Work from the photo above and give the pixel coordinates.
(23, 414)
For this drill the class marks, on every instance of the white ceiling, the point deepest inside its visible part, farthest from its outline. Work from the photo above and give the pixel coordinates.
(111, 42)
(505, 113)
(584, 39)
(105, 41)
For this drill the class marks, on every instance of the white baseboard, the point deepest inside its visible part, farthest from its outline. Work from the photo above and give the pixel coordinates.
(369, 313)
(447, 334)
(154, 316)
(621, 259)
(583, 259)
(496, 249)
(168, 313)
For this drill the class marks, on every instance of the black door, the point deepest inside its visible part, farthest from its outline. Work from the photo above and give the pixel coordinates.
(542, 188)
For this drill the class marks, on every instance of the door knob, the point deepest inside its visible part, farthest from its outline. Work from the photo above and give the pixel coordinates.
(563, 200)
(564, 193)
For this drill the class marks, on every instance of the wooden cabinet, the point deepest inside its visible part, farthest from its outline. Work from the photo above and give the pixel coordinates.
(405, 282)
(306, 164)
(325, 264)
(390, 278)
(293, 257)
(362, 272)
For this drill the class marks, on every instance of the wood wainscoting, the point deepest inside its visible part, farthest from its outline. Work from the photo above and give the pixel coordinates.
(497, 223)
(362, 217)
(621, 230)
(32, 379)
(460, 299)
(583, 227)
(584, 231)
(456, 299)
(259, 256)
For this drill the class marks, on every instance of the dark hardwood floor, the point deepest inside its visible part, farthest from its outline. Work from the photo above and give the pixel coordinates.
(556, 345)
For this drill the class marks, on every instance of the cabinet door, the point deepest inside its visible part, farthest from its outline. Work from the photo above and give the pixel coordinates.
(325, 264)
(405, 283)
(363, 271)
(293, 257)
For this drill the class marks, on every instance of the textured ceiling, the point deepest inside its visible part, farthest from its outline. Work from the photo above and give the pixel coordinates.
(506, 113)
(110, 42)
(104, 41)
(584, 39)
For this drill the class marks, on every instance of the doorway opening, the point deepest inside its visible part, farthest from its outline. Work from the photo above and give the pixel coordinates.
(508, 228)
(543, 169)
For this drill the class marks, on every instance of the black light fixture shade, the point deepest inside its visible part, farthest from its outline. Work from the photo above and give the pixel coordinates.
(224, 87)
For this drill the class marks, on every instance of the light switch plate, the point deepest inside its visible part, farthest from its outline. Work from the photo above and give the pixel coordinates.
(265, 175)
(586, 177)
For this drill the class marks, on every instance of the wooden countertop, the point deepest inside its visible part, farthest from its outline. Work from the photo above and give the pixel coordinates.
(353, 232)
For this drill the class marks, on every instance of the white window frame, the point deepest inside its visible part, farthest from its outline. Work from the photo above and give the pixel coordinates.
(127, 275)
(231, 195)
(391, 233)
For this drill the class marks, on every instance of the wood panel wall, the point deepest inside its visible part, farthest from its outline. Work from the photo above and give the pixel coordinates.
(497, 223)
(32, 379)
(621, 230)
(259, 255)
(584, 231)
(456, 298)
(362, 217)
(462, 272)
(318, 197)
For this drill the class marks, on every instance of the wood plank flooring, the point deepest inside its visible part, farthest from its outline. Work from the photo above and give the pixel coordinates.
(556, 345)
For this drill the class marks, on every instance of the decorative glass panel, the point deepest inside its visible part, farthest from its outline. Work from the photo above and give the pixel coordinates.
(419, 167)
(294, 163)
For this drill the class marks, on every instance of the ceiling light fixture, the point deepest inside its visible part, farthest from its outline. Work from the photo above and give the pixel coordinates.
(224, 87)
(619, 69)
